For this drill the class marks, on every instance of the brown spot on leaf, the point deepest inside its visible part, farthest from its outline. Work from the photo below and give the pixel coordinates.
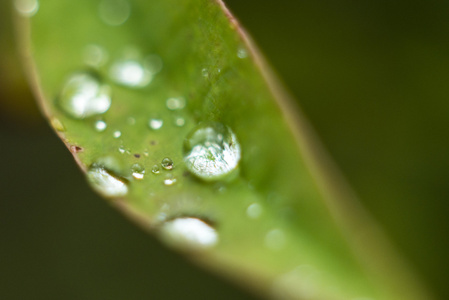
(76, 149)
(137, 155)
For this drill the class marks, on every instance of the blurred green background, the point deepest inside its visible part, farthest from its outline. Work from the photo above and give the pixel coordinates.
(372, 77)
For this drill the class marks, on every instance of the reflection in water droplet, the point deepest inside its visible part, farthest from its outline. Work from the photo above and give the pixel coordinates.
(117, 134)
(130, 72)
(100, 126)
(114, 12)
(95, 56)
(254, 211)
(189, 232)
(180, 122)
(242, 53)
(275, 239)
(155, 124)
(169, 180)
(138, 171)
(105, 183)
(211, 151)
(57, 124)
(27, 8)
(167, 164)
(155, 169)
(175, 103)
(83, 96)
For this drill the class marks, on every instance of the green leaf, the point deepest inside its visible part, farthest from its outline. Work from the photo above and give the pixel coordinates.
(176, 119)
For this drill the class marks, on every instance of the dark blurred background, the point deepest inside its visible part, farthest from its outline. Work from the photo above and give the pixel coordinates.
(372, 77)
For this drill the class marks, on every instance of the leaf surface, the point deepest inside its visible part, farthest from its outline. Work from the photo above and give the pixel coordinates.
(137, 89)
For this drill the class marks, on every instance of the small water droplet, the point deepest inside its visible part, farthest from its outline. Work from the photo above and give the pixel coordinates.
(121, 149)
(169, 180)
(83, 96)
(57, 124)
(117, 134)
(211, 151)
(155, 124)
(146, 153)
(242, 53)
(175, 103)
(105, 183)
(155, 170)
(275, 239)
(131, 121)
(167, 164)
(254, 211)
(179, 121)
(138, 171)
(95, 56)
(205, 72)
(100, 126)
(27, 8)
(190, 232)
(114, 12)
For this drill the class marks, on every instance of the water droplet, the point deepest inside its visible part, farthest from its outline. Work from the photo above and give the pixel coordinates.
(169, 180)
(130, 72)
(175, 103)
(114, 12)
(95, 56)
(180, 121)
(117, 134)
(131, 121)
(211, 151)
(27, 8)
(242, 53)
(155, 169)
(100, 126)
(167, 164)
(138, 171)
(189, 232)
(254, 211)
(121, 149)
(155, 124)
(57, 124)
(83, 96)
(105, 183)
(205, 72)
(146, 153)
(275, 239)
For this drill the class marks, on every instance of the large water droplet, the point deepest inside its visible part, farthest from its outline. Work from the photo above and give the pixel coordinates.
(114, 12)
(211, 151)
(105, 183)
(167, 163)
(190, 232)
(138, 171)
(83, 96)
(27, 8)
